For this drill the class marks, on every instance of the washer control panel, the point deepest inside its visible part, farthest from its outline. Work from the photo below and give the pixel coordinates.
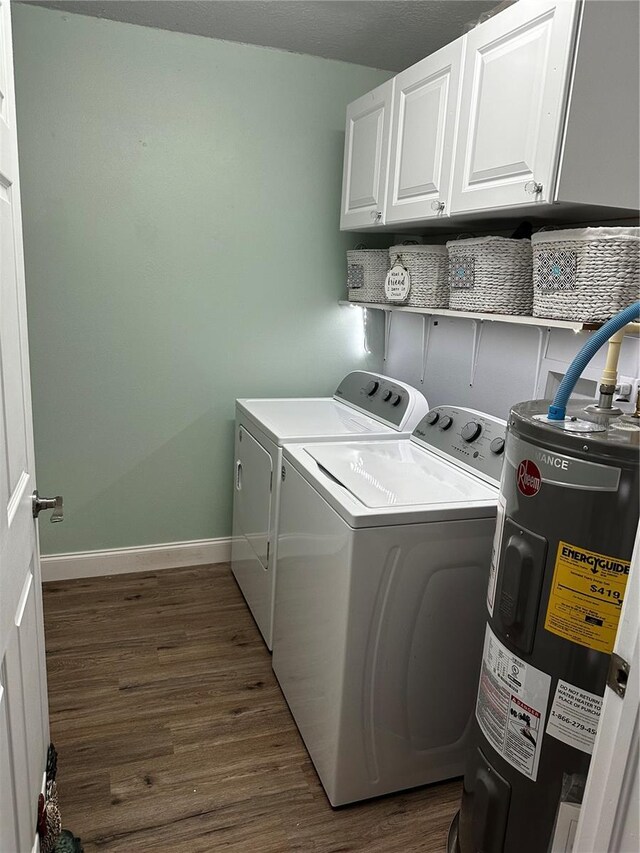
(473, 438)
(382, 398)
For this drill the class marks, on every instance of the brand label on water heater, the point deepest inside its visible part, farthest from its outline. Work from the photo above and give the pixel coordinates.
(586, 597)
(534, 466)
(511, 706)
(528, 478)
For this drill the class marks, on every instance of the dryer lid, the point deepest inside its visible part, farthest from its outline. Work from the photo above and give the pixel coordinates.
(397, 473)
(310, 418)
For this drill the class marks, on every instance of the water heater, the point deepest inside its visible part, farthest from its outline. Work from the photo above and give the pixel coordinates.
(567, 519)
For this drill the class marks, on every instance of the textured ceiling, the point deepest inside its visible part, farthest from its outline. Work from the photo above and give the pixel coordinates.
(380, 33)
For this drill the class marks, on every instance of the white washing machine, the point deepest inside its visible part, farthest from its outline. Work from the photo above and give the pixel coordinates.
(365, 405)
(384, 552)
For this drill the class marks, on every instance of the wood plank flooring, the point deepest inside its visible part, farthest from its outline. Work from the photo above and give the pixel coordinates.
(173, 734)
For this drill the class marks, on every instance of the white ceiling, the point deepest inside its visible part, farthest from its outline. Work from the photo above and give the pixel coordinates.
(380, 33)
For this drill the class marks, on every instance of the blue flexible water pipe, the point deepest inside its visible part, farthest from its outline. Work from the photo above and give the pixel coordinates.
(558, 409)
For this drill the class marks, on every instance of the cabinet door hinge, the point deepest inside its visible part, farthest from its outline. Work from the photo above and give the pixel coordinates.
(268, 549)
(618, 675)
(271, 481)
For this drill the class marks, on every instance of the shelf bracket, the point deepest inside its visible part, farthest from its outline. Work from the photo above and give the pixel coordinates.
(426, 332)
(543, 347)
(388, 315)
(478, 328)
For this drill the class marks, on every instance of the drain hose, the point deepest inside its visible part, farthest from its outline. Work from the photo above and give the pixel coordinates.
(558, 409)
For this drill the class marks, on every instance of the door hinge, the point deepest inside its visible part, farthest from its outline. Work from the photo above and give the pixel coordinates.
(271, 481)
(618, 675)
(268, 549)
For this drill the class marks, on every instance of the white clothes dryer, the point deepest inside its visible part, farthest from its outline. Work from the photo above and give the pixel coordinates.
(384, 553)
(365, 406)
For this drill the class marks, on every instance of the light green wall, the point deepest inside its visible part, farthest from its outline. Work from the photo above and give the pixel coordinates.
(180, 205)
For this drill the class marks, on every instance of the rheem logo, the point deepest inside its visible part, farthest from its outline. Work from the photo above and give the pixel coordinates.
(528, 478)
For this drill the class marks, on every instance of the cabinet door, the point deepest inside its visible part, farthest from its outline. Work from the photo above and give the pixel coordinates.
(513, 103)
(366, 152)
(425, 101)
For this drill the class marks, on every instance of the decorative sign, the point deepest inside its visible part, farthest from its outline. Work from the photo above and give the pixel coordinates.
(397, 284)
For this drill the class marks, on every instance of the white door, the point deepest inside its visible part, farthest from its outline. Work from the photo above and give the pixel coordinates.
(366, 152)
(425, 103)
(514, 86)
(24, 723)
(610, 813)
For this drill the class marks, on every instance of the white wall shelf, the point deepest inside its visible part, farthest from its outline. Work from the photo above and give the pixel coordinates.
(543, 326)
(539, 322)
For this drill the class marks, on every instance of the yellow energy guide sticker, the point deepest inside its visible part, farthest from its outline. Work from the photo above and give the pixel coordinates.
(586, 597)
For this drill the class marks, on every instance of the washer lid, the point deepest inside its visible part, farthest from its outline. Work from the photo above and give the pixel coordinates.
(395, 474)
(311, 418)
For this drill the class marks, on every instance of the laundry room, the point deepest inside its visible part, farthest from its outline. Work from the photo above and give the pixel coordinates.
(320, 413)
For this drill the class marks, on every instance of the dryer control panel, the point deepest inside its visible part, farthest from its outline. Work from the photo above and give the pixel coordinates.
(387, 400)
(473, 439)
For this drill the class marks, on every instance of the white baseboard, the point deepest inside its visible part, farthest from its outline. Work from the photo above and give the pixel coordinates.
(149, 558)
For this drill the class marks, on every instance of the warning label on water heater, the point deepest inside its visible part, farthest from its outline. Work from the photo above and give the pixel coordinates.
(511, 706)
(574, 716)
(586, 597)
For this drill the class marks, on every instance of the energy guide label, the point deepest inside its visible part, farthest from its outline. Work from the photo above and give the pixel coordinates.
(511, 706)
(586, 597)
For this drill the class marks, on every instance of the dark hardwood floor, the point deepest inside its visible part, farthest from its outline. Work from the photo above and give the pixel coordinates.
(173, 735)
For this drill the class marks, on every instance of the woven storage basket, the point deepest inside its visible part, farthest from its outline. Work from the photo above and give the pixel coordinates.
(585, 274)
(366, 272)
(428, 268)
(490, 275)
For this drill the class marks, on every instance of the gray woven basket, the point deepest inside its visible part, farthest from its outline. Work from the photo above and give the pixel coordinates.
(490, 275)
(585, 274)
(428, 268)
(366, 272)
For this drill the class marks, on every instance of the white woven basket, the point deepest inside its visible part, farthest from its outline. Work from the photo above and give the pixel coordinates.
(428, 267)
(585, 274)
(366, 272)
(490, 275)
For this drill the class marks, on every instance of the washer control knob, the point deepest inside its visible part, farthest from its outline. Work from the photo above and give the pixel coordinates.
(497, 446)
(371, 388)
(445, 422)
(432, 418)
(471, 431)
(396, 400)
(387, 396)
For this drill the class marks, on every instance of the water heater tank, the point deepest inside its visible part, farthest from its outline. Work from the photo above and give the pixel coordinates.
(566, 526)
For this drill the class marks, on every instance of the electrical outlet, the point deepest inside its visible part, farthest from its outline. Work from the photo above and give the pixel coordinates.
(627, 389)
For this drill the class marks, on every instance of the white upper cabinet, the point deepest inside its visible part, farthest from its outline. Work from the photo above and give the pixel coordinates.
(366, 153)
(514, 88)
(425, 100)
(534, 112)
